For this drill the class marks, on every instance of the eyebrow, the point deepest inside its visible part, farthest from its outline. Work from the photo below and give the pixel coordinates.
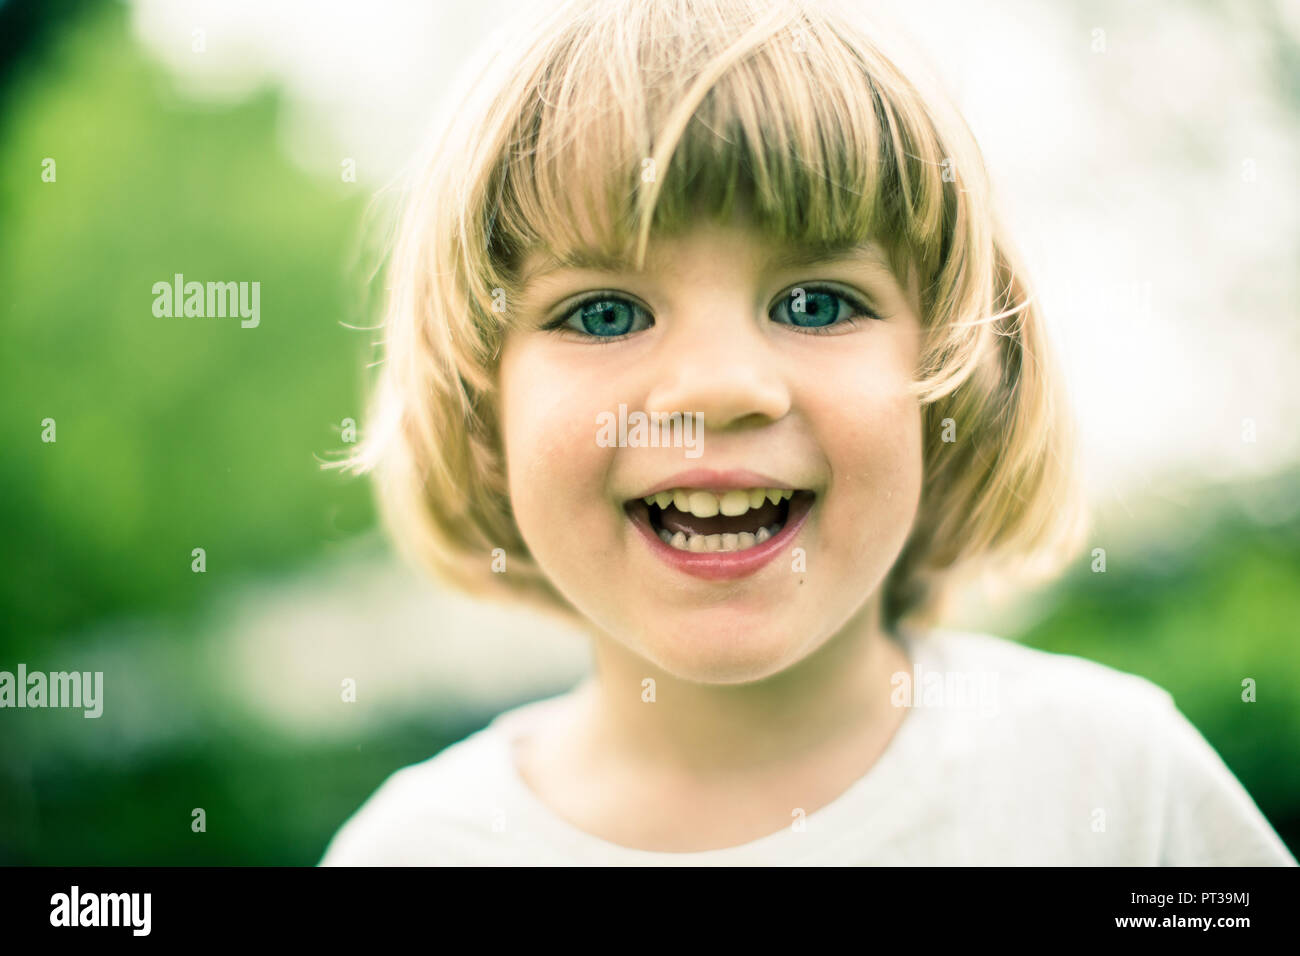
(791, 257)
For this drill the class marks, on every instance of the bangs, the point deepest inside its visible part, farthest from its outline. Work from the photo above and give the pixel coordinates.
(648, 118)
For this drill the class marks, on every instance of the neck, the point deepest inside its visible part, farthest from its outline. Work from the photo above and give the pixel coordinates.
(839, 693)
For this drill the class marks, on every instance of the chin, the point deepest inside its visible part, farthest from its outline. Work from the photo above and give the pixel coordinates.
(718, 648)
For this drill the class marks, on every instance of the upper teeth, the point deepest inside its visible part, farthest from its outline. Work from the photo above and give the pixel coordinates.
(705, 504)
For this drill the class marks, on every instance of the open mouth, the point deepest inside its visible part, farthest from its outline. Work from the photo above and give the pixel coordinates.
(699, 521)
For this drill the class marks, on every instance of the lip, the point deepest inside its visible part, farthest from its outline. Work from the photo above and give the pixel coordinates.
(706, 479)
(724, 565)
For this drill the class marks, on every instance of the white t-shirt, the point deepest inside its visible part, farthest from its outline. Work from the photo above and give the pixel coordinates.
(1027, 758)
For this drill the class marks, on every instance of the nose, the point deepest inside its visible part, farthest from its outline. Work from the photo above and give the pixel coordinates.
(726, 369)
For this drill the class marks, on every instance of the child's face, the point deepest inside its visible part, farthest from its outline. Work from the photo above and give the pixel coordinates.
(712, 326)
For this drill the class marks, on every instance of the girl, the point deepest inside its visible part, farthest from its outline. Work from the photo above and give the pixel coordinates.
(744, 213)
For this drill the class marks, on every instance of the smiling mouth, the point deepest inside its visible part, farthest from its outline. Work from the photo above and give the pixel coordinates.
(700, 521)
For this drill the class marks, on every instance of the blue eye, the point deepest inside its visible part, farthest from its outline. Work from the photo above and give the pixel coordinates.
(813, 308)
(604, 317)
(819, 308)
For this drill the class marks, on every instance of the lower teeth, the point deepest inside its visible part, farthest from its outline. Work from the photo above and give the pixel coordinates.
(717, 542)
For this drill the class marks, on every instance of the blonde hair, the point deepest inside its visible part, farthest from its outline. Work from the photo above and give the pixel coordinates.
(599, 123)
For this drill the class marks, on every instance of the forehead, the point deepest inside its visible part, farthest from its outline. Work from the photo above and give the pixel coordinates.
(889, 271)
(767, 254)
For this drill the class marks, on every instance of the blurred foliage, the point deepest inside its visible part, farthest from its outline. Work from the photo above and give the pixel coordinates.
(172, 433)
(266, 802)
(183, 433)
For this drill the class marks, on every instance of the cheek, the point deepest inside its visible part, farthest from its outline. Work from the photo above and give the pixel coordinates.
(548, 429)
(880, 438)
(871, 430)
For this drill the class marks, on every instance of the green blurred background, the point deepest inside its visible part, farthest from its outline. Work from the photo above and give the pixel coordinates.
(176, 434)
